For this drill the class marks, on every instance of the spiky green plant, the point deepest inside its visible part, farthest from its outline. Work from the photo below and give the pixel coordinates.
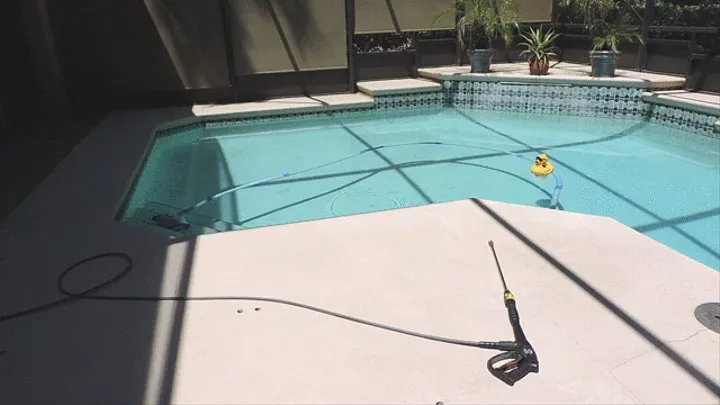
(483, 20)
(539, 45)
(610, 36)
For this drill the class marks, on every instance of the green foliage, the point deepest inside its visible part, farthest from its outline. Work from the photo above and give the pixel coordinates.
(609, 21)
(483, 20)
(538, 45)
(609, 37)
(691, 13)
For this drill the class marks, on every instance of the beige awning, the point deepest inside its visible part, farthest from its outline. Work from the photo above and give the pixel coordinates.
(272, 36)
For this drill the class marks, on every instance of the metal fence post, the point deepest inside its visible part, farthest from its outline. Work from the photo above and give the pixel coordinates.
(349, 34)
(229, 49)
(648, 19)
(692, 46)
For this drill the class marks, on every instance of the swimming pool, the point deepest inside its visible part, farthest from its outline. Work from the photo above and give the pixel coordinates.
(661, 181)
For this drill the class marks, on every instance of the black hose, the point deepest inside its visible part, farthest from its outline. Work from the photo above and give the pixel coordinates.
(89, 294)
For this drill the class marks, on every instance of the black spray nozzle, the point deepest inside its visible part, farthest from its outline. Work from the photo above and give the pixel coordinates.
(512, 366)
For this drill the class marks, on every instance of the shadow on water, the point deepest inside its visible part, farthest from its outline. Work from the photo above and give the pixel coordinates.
(529, 149)
(209, 173)
(660, 220)
(678, 220)
(304, 200)
(671, 354)
(390, 163)
(385, 169)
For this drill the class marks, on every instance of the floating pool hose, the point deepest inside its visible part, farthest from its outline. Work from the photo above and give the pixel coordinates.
(178, 222)
(517, 360)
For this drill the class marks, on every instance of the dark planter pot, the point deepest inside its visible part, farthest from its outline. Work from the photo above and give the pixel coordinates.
(603, 63)
(480, 60)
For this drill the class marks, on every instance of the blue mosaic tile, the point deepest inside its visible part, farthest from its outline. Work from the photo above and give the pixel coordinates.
(547, 99)
(411, 101)
(180, 129)
(684, 119)
(222, 123)
(576, 100)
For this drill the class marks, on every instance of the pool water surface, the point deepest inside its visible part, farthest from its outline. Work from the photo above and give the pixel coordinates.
(663, 182)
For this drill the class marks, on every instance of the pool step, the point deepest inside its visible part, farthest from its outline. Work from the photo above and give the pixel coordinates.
(697, 101)
(398, 86)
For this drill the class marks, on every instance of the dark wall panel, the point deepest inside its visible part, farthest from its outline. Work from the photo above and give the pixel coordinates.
(269, 85)
(706, 75)
(129, 46)
(436, 53)
(19, 95)
(386, 65)
(668, 58)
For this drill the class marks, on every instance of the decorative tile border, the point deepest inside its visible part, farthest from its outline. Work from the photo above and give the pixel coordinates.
(382, 103)
(272, 119)
(683, 119)
(178, 129)
(576, 100)
(427, 99)
(552, 99)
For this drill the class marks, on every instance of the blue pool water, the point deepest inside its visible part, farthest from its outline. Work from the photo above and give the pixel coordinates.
(661, 181)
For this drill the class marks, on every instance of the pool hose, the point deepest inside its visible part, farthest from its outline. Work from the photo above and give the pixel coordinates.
(178, 222)
(517, 360)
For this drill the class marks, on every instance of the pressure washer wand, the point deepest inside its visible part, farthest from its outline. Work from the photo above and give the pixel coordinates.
(514, 364)
(509, 299)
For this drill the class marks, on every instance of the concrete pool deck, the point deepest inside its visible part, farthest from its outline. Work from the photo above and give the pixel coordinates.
(609, 311)
(559, 73)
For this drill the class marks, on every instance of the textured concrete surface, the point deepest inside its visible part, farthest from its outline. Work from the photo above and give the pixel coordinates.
(397, 86)
(609, 311)
(285, 105)
(559, 73)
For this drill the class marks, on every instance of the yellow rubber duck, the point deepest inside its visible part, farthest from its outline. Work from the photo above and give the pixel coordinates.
(542, 166)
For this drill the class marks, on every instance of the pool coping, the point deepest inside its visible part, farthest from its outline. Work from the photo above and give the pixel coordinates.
(560, 73)
(674, 98)
(398, 86)
(428, 82)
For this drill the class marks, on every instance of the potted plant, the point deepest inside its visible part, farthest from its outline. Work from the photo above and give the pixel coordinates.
(603, 57)
(538, 50)
(481, 22)
(607, 35)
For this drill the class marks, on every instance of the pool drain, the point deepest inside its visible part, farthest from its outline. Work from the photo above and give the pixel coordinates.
(708, 314)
